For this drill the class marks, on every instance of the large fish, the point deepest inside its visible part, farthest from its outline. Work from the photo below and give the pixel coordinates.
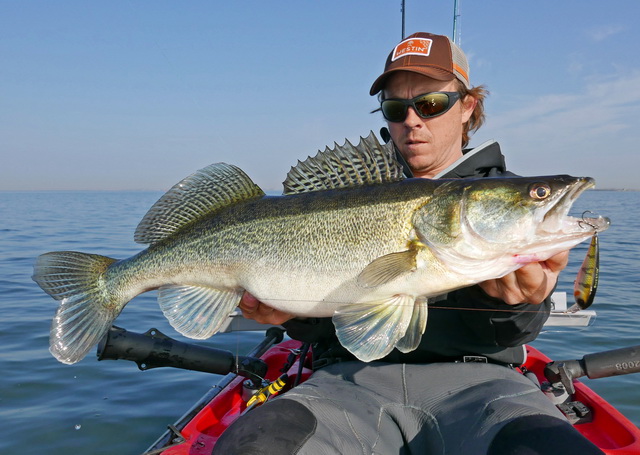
(349, 239)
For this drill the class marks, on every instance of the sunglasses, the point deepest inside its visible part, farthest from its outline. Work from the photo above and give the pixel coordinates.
(427, 105)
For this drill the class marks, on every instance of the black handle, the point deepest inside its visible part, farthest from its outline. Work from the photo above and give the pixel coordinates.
(599, 365)
(153, 349)
(613, 363)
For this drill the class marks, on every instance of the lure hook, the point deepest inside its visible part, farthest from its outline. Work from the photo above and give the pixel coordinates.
(584, 221)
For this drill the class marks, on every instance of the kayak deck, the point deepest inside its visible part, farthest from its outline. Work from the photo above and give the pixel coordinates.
(597, 420)
(608, 428)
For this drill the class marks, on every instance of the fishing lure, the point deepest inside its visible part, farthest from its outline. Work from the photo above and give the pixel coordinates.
(586, 283)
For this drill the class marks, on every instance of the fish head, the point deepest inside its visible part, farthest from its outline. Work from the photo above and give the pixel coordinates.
(504, 221)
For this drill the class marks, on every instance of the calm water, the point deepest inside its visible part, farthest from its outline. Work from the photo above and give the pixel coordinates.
(112, 407)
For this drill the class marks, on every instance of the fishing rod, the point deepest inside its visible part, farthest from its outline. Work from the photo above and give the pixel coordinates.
(456, 35)
(402, 9)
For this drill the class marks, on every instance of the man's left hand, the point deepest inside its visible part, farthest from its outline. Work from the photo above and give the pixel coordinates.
(530, 284)
(260, 312)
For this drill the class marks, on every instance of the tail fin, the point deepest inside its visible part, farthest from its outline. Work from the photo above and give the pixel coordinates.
(87, 308)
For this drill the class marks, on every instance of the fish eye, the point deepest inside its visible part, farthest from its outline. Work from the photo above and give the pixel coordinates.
(540, 191)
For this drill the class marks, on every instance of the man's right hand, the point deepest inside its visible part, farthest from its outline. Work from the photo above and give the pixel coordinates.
(254, 309)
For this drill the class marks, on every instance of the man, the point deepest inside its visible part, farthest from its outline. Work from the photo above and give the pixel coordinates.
(431, 400)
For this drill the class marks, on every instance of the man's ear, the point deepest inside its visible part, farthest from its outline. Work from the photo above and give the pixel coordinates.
(468, 105)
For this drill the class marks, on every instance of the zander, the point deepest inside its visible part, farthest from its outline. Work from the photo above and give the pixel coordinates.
(350, 238)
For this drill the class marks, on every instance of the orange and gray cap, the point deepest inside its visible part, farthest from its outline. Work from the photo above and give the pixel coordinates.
(435, 56)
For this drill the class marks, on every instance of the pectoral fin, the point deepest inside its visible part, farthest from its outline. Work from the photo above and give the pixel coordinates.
(387, 268)
(371, 330)
(197, 312)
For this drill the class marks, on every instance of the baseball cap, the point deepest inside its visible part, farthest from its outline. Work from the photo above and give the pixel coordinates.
(435, 56)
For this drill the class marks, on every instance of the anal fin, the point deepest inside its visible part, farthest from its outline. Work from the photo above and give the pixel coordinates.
(197, 311)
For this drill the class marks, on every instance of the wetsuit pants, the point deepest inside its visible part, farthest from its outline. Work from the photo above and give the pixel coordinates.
(380, 408)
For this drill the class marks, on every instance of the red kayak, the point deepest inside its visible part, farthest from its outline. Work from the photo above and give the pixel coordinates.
(199, 429)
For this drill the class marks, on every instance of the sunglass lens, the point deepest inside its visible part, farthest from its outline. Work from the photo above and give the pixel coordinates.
(394, 111)
(432, 104)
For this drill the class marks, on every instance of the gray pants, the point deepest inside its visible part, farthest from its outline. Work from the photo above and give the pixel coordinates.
(380, 408)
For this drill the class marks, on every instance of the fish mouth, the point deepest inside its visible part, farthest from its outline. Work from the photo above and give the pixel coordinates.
(555, 220)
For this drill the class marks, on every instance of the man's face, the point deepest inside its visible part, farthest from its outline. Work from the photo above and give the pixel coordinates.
(428, 145)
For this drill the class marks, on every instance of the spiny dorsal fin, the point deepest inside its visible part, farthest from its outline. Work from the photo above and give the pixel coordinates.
(202, 193)
(367, 163)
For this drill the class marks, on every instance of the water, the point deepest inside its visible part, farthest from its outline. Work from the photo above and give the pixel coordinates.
(112, 407)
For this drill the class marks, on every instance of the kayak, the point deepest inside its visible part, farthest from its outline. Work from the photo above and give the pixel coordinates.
(226, 403)
(281, 364)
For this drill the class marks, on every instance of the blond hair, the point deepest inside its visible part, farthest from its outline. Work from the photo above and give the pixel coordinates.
(477, 117)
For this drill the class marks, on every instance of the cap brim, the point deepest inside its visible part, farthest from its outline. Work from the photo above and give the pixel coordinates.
(434, 73)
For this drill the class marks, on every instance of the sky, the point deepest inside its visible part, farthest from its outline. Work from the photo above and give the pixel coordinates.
(136, 95)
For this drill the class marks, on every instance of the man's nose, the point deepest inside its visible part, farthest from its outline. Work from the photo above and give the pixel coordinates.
(412, 117)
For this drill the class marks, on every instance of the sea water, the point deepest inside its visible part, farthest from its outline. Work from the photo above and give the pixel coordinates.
(112, 407)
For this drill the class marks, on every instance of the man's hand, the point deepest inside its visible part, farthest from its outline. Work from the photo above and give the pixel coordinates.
(529, 284)
(252, 308)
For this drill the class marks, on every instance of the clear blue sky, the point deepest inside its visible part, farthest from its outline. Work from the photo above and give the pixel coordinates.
(138, 94)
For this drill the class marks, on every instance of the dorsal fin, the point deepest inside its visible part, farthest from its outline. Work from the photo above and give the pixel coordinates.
(367, 163)
(202, 193)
